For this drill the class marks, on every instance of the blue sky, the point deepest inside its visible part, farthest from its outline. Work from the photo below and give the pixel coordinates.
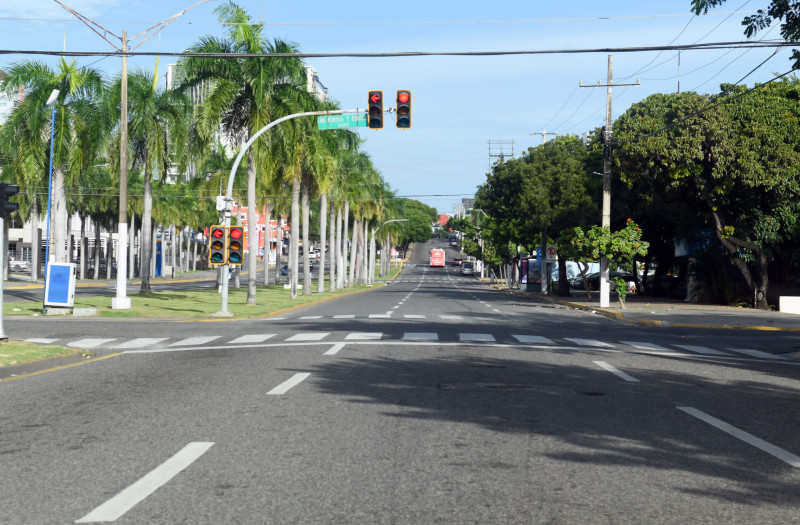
(460, 104)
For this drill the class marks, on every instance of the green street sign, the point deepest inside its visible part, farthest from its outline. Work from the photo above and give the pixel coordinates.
(351, 120)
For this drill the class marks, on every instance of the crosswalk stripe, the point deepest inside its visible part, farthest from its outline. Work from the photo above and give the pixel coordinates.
(192, 341)
(476, 337)
(89, 343)
(588, 342)
(755, 353)
(309, 336)
(701, 349)
(647, 346)
(255, 338)
(41, 340)
(533, 339)
(421, 336)
(364, 336)
(141, 342)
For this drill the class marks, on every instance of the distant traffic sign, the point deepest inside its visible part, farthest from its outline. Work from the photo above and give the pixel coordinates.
(354, 120)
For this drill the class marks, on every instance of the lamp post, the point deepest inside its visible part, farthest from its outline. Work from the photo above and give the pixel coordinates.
(52, 103)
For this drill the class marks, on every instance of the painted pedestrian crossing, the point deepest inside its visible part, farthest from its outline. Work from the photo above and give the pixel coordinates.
(534, 341)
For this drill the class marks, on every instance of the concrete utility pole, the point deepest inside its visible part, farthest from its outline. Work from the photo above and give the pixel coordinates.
(544, 135)
(606, 217)
(121, 301)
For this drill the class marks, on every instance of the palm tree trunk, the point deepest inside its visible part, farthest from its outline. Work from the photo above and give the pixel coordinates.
(323, 231)
(345, 235)
(252, 233)
(96, 273)
(146, 235)
(294, 222)
(266, 244)
(130, 254)
(306, 205)
(337, 250)
(353, 254)
(332, 248)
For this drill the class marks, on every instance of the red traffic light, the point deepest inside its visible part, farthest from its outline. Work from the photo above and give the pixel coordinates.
(236, 233)
(217, 232)
(403, 96)
(374, 97)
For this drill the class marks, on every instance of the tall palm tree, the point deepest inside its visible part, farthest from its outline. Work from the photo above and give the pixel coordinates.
(157, 128)
(244, 95)
(80, 88)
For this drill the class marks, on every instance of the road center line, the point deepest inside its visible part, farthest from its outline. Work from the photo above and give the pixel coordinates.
(289, 384)
(334, 349)
(615, 371)
(114, 508)
(750, 439)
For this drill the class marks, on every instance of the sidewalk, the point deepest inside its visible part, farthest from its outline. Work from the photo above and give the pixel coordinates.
(656, 311)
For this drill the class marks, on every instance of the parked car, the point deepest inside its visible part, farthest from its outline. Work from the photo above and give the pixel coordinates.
(594, 281)
(456, 261)
(16, 265)
(467, 268)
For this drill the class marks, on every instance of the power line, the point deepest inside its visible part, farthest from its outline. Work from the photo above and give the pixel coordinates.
(396, 54)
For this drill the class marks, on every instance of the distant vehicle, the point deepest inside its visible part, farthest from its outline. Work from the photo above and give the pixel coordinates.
(467, 268)
(456, 261)
(19, 266)
(437, 258)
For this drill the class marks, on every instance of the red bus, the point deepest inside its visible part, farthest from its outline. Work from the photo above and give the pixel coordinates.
(437, 258)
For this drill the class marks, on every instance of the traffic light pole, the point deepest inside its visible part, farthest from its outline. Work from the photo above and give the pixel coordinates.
(223, 311)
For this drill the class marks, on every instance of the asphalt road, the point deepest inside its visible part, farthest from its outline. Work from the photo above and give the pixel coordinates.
(435, 399)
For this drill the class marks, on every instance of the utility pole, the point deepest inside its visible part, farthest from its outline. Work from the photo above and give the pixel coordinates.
(544, 134)
(121, 301)
(606, 217)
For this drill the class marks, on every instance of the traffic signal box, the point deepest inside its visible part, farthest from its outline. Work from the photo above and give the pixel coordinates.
(403, 108)
(7, 207)
(375, 105)
(236, 245)
(216, 248)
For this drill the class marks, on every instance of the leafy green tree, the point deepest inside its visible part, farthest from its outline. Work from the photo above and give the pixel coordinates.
(736, 161)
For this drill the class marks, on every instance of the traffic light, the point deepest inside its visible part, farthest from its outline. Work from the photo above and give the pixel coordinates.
(7, 207)
(403, 108)
(375, 105)
(236, 245)
(216, 246)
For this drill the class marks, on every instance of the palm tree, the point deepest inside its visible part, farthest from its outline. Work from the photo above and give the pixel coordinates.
(76, 109)
(244, 95)
(158, 123)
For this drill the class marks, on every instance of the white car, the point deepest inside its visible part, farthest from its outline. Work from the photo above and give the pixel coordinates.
(19, 266)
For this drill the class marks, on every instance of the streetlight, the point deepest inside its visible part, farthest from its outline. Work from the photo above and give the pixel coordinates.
(52, 103)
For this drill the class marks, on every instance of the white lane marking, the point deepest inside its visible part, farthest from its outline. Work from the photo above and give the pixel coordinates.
(349, 316)
(335, 349)
(420, 336)
(89, 343)
(755, 353)
(254, 338)
(275, 319)
(533, 339)
(311, 317)
(364, 336)
(615, 371)
(454, 317)
(114, 508)
(380, 316)
(650, 347)
(289, 384)
(476, 337)
(395, 307)
(588, 342)
(748, 438)
(141, 342)
(191, 341)
(701, 350)
(41, 340)
(414, 316)
(496, 310)
(309, 336)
